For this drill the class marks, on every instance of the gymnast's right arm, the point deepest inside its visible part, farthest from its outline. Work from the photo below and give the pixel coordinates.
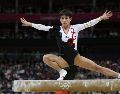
(36, 26)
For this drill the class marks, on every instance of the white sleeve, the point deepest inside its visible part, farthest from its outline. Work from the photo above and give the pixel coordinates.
(88, 24)
(41, 27)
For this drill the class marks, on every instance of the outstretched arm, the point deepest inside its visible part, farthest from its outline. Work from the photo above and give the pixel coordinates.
(93, 22)
(36, 26)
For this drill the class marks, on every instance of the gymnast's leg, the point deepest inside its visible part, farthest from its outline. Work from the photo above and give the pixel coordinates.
(89, 64)
(57, 63)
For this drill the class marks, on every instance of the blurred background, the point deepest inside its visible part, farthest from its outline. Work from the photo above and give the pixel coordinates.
(22, 48)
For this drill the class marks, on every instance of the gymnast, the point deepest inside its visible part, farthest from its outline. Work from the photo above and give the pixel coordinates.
(67, 36)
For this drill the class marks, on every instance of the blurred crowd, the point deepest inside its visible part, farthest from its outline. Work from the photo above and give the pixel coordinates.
(30, 6)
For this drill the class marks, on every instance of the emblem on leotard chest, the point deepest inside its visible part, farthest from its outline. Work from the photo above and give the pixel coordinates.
(71, 40)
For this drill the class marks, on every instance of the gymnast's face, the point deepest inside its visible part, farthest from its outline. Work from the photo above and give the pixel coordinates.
(65, 20)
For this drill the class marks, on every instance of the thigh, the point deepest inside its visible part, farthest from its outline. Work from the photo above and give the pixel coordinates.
(85, 63)
(58, 59)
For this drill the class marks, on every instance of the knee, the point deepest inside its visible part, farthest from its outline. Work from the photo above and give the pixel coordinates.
(46, 57)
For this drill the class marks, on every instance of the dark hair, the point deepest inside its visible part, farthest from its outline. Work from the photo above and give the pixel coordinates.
(66, 12)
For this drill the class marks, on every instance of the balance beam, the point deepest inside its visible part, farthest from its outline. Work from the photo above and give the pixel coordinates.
(96, 85)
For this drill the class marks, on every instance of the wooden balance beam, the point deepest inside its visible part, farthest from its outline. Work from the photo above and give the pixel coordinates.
(96, 85)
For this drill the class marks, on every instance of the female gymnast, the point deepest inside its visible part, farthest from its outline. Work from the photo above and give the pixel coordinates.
(67, 36)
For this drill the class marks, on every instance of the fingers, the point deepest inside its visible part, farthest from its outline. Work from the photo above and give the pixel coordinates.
(22, 19)
(24, 22)
(108, 12)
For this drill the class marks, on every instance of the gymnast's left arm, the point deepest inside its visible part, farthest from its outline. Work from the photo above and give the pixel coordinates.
(93, 22)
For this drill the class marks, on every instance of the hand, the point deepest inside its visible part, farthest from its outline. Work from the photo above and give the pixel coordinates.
(25, 23)
(106, 15)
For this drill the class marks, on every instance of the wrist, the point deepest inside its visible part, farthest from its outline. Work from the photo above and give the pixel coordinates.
(30, 24)
(101, 18)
